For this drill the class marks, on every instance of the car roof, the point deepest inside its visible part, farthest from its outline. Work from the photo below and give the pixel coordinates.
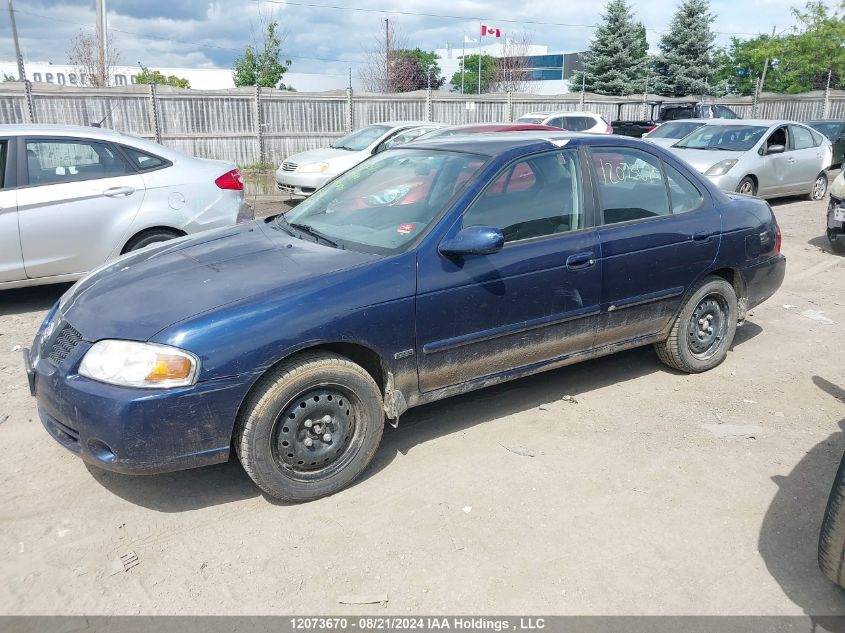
(500, 127)
(840, 121)
(758, 122)
(406, 123)
(89, 132)
(574, 113)
(496, 143)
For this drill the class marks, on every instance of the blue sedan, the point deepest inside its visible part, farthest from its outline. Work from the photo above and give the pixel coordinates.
(441, 267)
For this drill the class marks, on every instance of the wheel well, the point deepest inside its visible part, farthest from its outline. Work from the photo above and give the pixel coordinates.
(735, 279)
(169, 229)
(754, 178)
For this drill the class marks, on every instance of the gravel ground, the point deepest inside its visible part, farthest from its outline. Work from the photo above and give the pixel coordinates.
(649, 492)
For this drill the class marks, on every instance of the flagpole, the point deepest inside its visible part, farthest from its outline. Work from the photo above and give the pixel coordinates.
(479, 58)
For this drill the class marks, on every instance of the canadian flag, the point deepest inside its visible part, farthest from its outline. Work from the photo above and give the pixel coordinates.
(490, 31)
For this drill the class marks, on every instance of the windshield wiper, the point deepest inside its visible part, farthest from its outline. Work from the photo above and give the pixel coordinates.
(351, 149)
(312, 232)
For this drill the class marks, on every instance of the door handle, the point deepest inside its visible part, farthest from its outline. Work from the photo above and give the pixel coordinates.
(119, 192)
(579, 261)
(791, 161)
(702, 236)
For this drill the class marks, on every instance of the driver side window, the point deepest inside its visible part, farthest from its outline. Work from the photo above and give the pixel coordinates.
(778, 137)
(533, 197)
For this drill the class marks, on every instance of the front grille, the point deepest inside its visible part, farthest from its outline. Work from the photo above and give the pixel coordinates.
(288, 166)
(64, 343)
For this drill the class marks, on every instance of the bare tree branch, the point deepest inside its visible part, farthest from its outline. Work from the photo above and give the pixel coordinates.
(83, 56)
(512, 74)
(380, 72)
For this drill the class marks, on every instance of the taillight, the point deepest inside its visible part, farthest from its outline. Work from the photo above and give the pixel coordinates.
(231, 180)
(777, 239)
(650, 128)
(609, 130)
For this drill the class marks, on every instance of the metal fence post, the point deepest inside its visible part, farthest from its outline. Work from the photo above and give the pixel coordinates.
(510, 106)
(826, 104)
(349, 118)
(756, 97)
(428, 104)
(153, 105)
(259, 126)
(28, 106)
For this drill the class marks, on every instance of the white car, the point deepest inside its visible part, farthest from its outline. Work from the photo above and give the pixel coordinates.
(588, 122)
(72, 198)
(669, 133)
(302, 174)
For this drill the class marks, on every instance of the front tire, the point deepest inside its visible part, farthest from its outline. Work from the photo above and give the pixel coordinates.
(704, 329)
(747, 186)
(310, 427)
(819, 189)
(832, 536)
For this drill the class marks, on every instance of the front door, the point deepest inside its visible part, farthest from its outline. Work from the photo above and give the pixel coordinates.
(80, 201)
(774, 173)
(535, 300)
(11, 260)
(659, 233)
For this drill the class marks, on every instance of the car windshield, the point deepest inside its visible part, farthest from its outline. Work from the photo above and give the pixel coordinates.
(385, 202)
(675, 130)
(531, 119)
(830, 130)
(737, 138)
(361, 139)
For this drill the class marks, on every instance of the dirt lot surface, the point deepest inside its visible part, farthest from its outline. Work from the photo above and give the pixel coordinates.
(650, 492)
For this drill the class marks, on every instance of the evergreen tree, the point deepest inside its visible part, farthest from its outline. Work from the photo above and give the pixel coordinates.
(617, 61)
(686, 64)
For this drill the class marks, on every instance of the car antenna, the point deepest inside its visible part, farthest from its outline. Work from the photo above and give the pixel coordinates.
(100, 122)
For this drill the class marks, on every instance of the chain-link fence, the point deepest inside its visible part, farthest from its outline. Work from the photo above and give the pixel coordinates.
(258, 126)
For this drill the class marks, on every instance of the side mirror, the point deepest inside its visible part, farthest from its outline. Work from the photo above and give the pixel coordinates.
(775, 149)
(473, 240)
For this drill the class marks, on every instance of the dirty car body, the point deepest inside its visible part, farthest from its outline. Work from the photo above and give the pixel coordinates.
(468, 261)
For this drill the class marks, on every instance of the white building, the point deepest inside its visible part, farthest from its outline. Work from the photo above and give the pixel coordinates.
(199, 78)
(549, 71)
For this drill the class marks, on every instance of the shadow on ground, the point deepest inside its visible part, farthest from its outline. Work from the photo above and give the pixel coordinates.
(20, 300)
(790, 531)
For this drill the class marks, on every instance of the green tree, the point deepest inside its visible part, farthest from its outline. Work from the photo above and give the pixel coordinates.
(617, 62)
(263, 67)
(411, 69)
(741, 63)
(686, 63)
(489, 74)
(147, 76)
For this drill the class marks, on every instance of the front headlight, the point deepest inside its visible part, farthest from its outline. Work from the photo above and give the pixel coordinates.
(145, 365)
(721, 168)
(313, 168)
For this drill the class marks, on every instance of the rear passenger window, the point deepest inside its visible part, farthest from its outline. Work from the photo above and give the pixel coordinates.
(630, 185)
(801, 137)
(58, 161)
(4, 153)
(143, 161)
(533, 197)
(682, 193)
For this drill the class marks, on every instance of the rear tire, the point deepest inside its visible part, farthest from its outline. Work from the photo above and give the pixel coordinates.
(832, 536)
(819, 189)
(704, 329)
(747, 186)
(310, 427)
(149, 237)
(836, 245)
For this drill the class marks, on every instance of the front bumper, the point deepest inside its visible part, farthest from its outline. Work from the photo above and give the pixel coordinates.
(763, 279)
(135, 431)
(300, 184)
(726, 182)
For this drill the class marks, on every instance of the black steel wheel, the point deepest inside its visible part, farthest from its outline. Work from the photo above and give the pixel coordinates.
(703, 329)
(310, 426)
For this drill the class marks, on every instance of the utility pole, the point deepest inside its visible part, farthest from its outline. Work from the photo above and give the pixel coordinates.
(101, 43)
(479, 59)
(387, 54)
(463, 60)
(18, 56)
(765, 66)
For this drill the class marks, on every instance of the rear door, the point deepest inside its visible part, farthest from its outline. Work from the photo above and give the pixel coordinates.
(11, 259)
(806, 158)
(659, 234)
(79, 201)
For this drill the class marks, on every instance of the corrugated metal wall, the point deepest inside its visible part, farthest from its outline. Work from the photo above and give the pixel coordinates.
(225, 124)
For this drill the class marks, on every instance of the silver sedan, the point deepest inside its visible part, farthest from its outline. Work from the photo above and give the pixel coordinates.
(759, 157)
(71, 198)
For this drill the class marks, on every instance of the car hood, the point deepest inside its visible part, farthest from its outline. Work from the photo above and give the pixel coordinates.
(138, 295)
(703, 159)
(662, 142)
(338, 159)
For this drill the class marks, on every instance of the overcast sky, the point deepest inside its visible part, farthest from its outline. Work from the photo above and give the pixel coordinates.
(209, 33)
